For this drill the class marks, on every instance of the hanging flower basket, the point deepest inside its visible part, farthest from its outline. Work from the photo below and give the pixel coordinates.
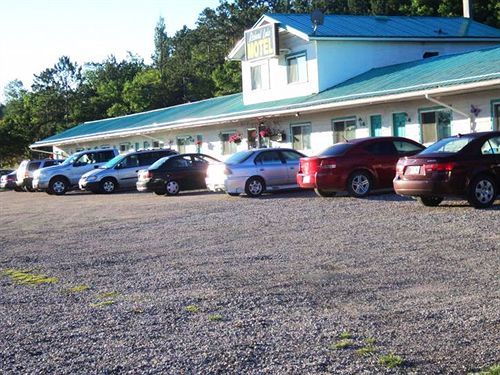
(235, 138)
(265, 132)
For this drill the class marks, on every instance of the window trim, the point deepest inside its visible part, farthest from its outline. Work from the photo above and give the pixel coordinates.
(427, 110)
(293, 56)
(297, 124)
(493, 103)
(339, 119)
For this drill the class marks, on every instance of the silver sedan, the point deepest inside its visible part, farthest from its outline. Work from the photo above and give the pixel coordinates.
(255, 171)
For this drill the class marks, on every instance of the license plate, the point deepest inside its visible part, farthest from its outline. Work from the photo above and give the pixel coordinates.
(413, 169)
(306, 179)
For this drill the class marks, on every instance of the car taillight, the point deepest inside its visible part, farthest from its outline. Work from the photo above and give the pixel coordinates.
(400, 166)
(328, 164)
(227, 171)
(439, 167)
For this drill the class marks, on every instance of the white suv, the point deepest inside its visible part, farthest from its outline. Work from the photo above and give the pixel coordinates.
(61, 178)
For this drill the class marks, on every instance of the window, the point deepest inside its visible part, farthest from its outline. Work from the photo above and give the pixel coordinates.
(430, 54)
(297, 68)
(158, 144)
(337, 149)
(268, 157)
(182, 142)
(301, 137)
(124, 147)
(34, 166)
(291, 155)
(227, 147)
(146, 145)
(344, 130)
(137, 146)
(381, 148)
(491, 146)
(104, 156)
(403, 147)
(180, 162)
(259, 77)
(436, 125)
(449, 145)
(252, 138)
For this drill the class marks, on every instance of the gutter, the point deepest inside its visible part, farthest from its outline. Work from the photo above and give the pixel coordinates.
(433, 100)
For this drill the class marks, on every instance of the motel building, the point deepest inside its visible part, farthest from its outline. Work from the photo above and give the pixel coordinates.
(307, 87)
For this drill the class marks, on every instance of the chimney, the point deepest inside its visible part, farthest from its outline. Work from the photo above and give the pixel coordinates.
(467, 8)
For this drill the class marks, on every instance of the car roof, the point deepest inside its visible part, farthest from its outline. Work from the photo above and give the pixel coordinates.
(150, 150)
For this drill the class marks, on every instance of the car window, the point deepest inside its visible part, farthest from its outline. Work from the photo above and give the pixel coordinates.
(130, 161)
(289, 155)
(86, 159)
(34, 166)
(403, 146)
(491, 146)
(104, 156)
(146, 158)
(49, 163)
(180, 162)
(381, 148)
(198, 160)
(448, 145)
(337, 149)
(268, 157)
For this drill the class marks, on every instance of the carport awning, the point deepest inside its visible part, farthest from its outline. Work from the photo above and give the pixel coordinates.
(479, 67)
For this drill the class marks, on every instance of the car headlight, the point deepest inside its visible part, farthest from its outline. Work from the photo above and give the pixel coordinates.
(91, 178)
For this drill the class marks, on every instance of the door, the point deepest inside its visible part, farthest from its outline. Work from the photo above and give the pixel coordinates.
(270, 166)
(291, 159)
(180, 169)
(490, 151)
(85, 163)
(199, 172)
(376, 125)
(127, 171)
(399, 124)
(383, 161)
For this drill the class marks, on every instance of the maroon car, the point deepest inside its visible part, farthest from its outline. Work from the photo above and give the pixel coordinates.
(357, 166)
(466, 166)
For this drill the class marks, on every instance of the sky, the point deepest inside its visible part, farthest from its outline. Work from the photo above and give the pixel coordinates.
(35, 33)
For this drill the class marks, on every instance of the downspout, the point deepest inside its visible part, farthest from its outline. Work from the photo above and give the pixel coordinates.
(471, 121)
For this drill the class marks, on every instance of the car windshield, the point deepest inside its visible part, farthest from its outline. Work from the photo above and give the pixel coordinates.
(114, 161)
(448, 145)
(336, 149)
(71, 159)
(239, 157)
(157, 164)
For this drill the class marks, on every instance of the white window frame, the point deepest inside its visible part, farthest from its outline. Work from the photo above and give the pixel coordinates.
(344, 133)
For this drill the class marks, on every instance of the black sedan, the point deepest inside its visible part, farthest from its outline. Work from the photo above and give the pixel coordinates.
(171, 174)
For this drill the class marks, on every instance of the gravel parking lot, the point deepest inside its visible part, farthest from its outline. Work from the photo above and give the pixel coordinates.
(206, 283)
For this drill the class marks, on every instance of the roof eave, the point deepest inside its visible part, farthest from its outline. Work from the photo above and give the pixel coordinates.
(403, 39)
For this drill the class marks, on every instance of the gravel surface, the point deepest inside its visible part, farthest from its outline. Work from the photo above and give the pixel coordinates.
(209, 284)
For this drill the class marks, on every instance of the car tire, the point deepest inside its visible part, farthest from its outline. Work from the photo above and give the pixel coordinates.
(482, 192)
(172, 187)
(108, 186)
(58, 186)
(324, 193)
(359, 184)
(233, 194)
(255, 186)
(430, 201)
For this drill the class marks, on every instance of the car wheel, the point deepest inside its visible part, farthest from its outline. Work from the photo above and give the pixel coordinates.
(482, 192)
(255, 186)
(58, 186)
(172, 187)
(107, 186)
(325, 194)
(233, 194)
(430, 201)
(359, 184)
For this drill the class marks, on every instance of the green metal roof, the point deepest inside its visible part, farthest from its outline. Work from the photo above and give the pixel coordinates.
(339, 26)
(476, 66)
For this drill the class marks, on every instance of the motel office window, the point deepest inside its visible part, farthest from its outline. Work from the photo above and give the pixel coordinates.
(297, 68)
(301, 136)
(344, 129)
(436, 125)
(182, 142)
(259, 75)
(228, 148)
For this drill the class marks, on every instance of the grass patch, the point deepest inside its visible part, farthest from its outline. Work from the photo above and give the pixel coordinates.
(102, 303)
(345, 335)
(391, 360)
(493, 370)
(192, 309)
(25, 277)
(342, 344)
(76, 289)
(366, 351)
(108, 295)
(215, 317)
(370, 341)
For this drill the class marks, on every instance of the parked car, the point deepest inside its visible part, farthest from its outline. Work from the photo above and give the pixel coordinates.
(172, 174)
(5, 172)
(61, 178)
(356, 166)
(255, 171)
(26, 169)
(8, 181)
(466, 166)
(121, 172)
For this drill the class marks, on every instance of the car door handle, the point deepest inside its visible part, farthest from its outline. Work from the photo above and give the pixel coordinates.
(292, 167)
(262, 169)
(136, 171)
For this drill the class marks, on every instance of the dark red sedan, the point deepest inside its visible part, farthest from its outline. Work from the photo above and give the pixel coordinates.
(466, 166)
(357, 166)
